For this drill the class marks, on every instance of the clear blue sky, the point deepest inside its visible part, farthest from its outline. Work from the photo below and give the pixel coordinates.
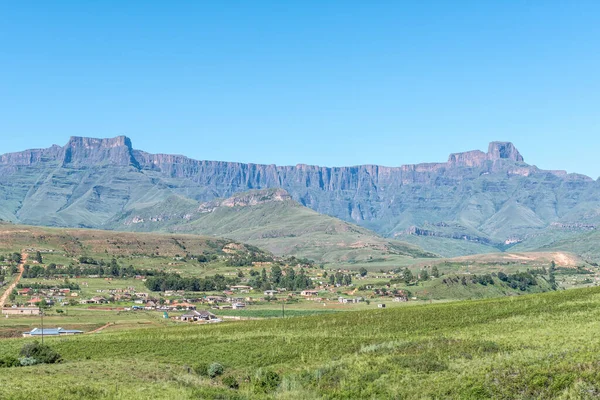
(316, 82)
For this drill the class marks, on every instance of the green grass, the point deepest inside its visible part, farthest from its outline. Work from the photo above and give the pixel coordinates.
(537, 346)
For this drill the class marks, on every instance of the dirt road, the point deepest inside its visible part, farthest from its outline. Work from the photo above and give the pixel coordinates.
(14, 284)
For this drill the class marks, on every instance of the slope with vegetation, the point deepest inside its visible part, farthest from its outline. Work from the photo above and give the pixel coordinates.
(538, 346)
(271, 220)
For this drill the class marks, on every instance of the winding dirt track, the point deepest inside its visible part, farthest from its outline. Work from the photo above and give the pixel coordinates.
(100, 329)
(14, 284)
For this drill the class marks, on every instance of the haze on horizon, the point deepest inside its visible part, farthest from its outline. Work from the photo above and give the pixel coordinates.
(330, 85)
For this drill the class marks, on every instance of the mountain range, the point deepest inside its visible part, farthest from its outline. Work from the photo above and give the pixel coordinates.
(474, 202)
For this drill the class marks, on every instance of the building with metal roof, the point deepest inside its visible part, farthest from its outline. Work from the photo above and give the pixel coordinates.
(51, 332)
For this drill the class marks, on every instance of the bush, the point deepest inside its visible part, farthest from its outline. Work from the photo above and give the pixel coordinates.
(42, 353)
(231, 382)
(266, 381)
(28, 361)
(215, 369)
(8, 362)
(201, 369)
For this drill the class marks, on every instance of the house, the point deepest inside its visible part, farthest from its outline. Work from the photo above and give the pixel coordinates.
(24, 292)
(51, 332)
(400, 299)
(241, 287)
(216, 299)
(203, 316)
(34, 301)
(184, 306)
(349, 301)
(21, 311)
(150, 305)
(309, 293)
(381, 305)
(270, 293)
(237, 306)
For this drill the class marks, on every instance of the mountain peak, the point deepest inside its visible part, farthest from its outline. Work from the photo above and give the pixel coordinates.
(81, 151)
(503, 150)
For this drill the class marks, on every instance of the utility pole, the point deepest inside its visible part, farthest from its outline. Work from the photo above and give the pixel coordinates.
(42, 316)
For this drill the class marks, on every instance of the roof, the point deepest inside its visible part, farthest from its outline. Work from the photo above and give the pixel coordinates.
(201, 314)
(52, 331)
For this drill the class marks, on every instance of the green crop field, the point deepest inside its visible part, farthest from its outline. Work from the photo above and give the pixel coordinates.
(535, 346)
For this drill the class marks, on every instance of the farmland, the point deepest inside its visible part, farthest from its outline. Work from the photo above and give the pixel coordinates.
(536, 346)
(519, 332)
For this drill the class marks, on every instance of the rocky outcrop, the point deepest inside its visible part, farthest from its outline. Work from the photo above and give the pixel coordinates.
(32, 157)
(504, 151)
(247, 199)
(81, 151)
(413, 230)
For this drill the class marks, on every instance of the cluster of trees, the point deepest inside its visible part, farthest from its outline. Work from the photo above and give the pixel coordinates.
(408, 277)
(521, 280)
(246, 260)
(13, 257)
(64, 285)
(340, 279)
(89, 267)
(288, 278)
(171, 281)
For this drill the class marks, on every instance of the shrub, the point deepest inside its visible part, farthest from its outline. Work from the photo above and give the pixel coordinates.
(8, 362)
(266, 381)
(201, 369)
(28, 361)
(231, 382)
(42, 353)
(215, 369)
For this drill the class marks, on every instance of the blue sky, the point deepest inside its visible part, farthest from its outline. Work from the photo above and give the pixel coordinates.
(316, 82)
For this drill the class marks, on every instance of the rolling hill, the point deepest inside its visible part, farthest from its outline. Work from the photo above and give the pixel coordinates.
(271, 220)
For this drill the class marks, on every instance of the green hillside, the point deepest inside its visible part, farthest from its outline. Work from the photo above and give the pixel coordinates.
(271, 220)
(539, 346)
(584, 244)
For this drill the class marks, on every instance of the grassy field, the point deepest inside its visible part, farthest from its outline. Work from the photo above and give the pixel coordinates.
(537, 346)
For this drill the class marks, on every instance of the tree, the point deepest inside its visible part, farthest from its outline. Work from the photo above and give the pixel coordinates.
(407, 276)
(552, 280)
(15, 257)
(38, 257)
(363, 271)
(435, 271)
(347, 280)
(424, 275)
(276, 274)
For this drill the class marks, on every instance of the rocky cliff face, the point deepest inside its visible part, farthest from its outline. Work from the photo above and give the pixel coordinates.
(82, 151)
(492, 195)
